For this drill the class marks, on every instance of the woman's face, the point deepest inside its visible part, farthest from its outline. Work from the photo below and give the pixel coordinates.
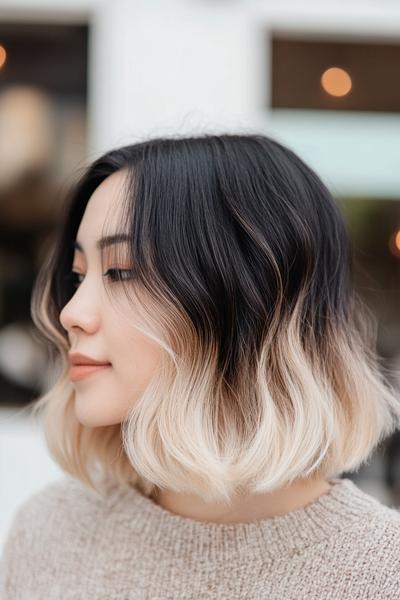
(98, 329)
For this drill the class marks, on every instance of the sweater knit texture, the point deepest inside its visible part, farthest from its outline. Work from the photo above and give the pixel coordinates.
(67, 542)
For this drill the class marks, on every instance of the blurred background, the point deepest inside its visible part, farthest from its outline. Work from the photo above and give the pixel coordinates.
(80, 77)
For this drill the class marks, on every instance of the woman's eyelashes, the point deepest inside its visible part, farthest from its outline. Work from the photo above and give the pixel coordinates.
(114, 275)
(118, 274)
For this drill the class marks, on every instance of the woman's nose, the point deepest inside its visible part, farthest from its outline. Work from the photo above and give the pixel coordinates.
(81, 312)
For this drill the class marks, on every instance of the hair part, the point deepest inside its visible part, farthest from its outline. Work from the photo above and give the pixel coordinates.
(269, 370)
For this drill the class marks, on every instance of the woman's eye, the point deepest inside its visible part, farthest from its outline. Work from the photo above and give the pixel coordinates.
(118, 274)
(113, 274)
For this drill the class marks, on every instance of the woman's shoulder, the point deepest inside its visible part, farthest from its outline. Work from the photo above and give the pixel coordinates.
(41, 531)
(383, 522)
(377, 513)
(55, 507)
(370, 512)
(371, 551)
(372, 535)
(62, 495)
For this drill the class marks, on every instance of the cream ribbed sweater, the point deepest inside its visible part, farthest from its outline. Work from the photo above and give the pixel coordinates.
(68, 543)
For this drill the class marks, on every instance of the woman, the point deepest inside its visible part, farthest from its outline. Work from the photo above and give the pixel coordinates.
(217, 377)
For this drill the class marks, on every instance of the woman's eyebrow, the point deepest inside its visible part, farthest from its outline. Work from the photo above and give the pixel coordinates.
(103, 242)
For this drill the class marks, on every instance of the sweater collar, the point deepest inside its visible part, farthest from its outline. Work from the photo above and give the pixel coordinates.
(319, 520)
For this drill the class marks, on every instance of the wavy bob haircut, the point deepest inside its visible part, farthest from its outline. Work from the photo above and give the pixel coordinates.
(269, 371)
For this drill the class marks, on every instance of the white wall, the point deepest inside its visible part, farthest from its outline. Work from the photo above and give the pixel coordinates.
(170, 67)
(177, 66)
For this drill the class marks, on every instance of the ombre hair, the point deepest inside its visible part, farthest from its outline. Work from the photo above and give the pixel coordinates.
(269, 371)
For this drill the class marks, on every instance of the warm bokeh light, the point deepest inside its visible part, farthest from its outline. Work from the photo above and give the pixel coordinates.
(26, 132)
(336, 81)
(394, 243)
(3, 56)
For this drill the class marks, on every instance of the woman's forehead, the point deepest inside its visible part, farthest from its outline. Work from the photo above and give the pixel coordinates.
(101, 220)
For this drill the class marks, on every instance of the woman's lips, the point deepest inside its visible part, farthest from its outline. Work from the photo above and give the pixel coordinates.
(78, 372)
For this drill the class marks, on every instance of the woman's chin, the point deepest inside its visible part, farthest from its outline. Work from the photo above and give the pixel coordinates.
(91, 414)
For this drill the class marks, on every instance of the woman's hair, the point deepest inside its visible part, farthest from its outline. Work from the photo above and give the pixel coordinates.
(269, 371)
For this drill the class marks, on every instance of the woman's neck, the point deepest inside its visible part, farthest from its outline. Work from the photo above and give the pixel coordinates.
(243, 508)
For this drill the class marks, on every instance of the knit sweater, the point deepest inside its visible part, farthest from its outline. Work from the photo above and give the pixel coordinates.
(66, 542)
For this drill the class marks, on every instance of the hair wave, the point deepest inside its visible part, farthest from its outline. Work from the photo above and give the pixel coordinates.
(269, 368)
